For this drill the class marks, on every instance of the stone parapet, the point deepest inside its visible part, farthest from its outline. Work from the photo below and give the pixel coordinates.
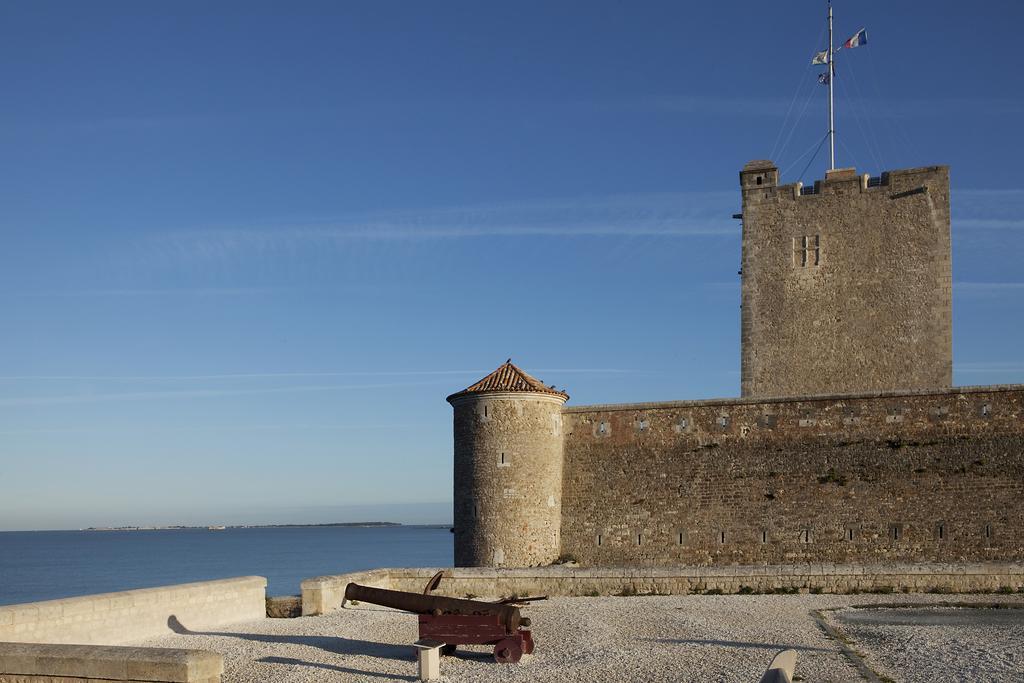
(324, 594)
(38, 663)
(128, 616)
(938, 393)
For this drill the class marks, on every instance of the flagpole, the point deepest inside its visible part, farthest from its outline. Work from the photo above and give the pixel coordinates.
(831, 77)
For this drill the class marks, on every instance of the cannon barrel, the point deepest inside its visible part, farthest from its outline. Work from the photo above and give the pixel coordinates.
(434, 604)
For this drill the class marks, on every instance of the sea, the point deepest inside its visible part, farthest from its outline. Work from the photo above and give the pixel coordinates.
(46, 565)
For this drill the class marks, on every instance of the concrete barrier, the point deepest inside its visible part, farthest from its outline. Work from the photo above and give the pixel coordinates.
(35, 663)
(324, 594)
(128, 616)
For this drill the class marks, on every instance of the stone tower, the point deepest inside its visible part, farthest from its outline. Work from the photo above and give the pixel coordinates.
(846, 285)
(508, 471)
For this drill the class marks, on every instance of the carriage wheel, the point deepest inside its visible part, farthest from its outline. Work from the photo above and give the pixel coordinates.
(447, 649)
(527, 643)
(508, 651)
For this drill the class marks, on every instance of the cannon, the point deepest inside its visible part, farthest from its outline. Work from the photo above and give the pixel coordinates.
(455, 621)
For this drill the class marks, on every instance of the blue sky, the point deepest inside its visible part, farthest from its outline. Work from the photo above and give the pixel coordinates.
(248, 248)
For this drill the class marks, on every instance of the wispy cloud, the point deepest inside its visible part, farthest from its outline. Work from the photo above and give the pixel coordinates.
(715, 105)
(727, 287)
(982, 202)
(148, 292)
(990, 223)
(693, 104)
(297, 375)
(103, 397)
(215, 241)
(85, 397)
(150, 428)
(940, 107)
(993, 367)
(984, 209)
(988, 287)
(234, 376)
(986, 194)
(668, 215)
(757, 106)
(586, 371)
(309, 249)
(659, 215)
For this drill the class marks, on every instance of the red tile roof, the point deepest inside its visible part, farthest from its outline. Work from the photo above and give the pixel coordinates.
(508, 378)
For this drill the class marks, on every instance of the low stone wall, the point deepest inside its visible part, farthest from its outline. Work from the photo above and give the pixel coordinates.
(324, 593)
(35, 663)
(128, 616)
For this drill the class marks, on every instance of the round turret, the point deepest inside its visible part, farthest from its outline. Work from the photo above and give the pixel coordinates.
(508, 471)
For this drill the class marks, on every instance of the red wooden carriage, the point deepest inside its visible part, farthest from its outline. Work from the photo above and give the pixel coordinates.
(483, 629)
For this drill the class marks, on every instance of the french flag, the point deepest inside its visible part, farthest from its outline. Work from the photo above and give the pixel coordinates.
(858, 39)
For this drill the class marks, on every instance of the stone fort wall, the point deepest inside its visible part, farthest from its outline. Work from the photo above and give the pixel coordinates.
(927, 476)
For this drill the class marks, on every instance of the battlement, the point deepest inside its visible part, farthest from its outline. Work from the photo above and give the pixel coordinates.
(759, 181)
(939, 394)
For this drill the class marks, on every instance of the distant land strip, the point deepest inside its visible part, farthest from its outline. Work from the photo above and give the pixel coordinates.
(218, 527)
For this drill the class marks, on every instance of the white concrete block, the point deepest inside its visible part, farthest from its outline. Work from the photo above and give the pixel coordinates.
(429, 655)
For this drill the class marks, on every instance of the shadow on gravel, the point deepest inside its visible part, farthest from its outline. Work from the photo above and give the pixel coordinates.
(470, 655)
(288, 661)
(333, 644)
(740, 644)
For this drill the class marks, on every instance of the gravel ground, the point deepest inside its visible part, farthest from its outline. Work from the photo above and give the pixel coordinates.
(656, 638)
(938, 643)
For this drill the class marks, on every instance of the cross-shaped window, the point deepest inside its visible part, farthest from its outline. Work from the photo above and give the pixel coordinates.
(806, 250)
